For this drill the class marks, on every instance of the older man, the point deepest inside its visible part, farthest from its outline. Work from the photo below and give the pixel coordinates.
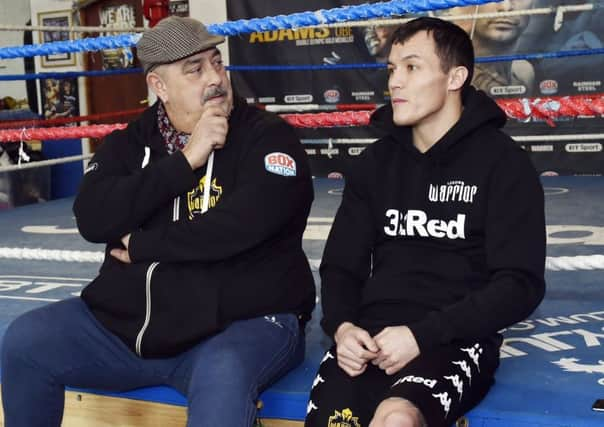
(202, 203)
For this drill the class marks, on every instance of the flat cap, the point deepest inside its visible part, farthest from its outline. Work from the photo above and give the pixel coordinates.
(172, 39)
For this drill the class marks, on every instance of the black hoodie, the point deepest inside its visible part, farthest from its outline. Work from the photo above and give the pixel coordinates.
(450, 242)
(192, 274)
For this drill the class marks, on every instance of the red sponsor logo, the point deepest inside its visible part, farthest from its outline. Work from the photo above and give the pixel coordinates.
(331, 95)
(548, 87)
(280, 164)
(281, 159)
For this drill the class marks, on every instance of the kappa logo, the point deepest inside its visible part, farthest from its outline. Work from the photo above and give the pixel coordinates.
(452, 191)
(318, 380)
(311, 407)
(474, 354)
(430, 383)
(343, 419)
(280, 164)
(416, 223)
(457, 383)
(463, 365)
(327, 356)
(445, 401)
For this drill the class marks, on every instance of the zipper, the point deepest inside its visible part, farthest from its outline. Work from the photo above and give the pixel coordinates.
(139, 337)
(149, 276)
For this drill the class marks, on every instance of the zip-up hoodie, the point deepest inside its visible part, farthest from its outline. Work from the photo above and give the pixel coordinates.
(192, 274)
(450, 242)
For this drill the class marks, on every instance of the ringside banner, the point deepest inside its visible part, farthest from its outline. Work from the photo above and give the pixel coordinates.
(518, 77)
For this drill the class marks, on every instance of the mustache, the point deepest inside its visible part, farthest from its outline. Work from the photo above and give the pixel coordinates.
(214, 91)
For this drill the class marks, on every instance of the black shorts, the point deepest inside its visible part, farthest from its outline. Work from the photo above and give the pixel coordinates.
(443, 384)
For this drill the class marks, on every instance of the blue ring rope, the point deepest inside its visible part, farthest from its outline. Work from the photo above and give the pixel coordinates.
(69, 74)
(70, 46)
(360, 12)
(269, 23)
(305, 67)
(545, 55)
(485, 59)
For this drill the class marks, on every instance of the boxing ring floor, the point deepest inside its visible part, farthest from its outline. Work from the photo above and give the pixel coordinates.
(552, 365)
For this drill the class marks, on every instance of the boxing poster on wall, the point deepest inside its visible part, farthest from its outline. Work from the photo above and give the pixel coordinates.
(60, 98)
(522, 75)
(117, 16)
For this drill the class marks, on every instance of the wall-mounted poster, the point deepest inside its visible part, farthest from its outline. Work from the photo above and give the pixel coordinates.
(60, 18)
(179, 7)
(121, 17)
(60, 98)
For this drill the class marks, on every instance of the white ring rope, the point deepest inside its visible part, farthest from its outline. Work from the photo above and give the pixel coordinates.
(43, 163)
(39, 254)
(319, 16)
(473, 29)
(559, 11)
(525, 138)
(365, 141)
(329, 141)
(571, 263)
(554, 191)
(295, 108)
(563, 263)
(72, 29)
(578, 137)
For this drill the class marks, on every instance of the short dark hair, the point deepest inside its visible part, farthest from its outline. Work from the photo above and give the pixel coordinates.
(453, 45)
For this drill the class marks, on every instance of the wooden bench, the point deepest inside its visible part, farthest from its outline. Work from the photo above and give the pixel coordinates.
(84, 409)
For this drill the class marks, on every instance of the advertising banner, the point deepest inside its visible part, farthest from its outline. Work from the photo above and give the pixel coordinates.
(558, 74)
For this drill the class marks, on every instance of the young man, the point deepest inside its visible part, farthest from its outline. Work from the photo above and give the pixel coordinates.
(210, 301)
(439, 243)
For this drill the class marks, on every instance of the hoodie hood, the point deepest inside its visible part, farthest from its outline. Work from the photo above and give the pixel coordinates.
(479, 110)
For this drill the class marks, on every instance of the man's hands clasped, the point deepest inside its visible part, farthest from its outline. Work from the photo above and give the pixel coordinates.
(390, 350)
(355, 348)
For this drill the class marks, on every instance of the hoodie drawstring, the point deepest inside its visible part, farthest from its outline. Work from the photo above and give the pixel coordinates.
(208, 184)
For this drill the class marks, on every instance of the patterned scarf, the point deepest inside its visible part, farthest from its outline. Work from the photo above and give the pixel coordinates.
(173, 139)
